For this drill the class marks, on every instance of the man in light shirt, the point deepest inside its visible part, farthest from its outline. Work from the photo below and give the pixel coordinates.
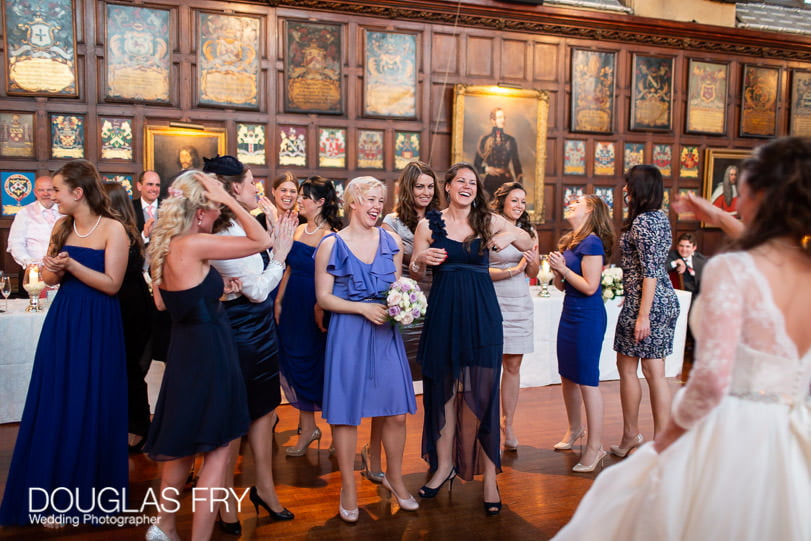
(30, 232)
(146, 206)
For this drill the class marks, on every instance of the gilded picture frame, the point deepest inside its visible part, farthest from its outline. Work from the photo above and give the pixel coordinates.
(759, 97)
(524, 118)
(390, 74)
(651, 93)
(313, 70)
(40, 46)
(721, 176)
(593, 84)
(168, 151)
(707, 97)
(138, 54)
(228, 56)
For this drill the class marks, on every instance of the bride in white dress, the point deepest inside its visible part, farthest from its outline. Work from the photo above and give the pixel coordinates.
(734, 462)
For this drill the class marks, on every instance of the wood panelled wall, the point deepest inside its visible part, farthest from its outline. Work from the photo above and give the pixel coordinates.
(490, 42)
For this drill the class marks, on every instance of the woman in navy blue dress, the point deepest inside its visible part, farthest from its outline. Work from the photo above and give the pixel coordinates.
(73, 432)
(250, 311)
(462, 337)
(202, 406)
(647, 321)
(302, 332)
(578, 270)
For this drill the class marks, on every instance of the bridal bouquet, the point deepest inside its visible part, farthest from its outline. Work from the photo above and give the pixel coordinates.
(612, 283)
(405, 301)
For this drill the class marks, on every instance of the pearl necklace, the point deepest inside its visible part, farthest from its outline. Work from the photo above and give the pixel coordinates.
(313, 231)
(89, 232)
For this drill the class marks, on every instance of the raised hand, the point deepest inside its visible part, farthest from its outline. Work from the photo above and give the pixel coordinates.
(283, 235)
(215, 191)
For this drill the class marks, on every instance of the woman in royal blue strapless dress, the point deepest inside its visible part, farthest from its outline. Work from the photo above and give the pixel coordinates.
(462, 336)
(202, 406)
(73, 432)
(365, 368)
(302, 329)
(583, 321)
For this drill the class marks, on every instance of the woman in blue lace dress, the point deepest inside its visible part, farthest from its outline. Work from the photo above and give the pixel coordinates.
(461, 345)
(647, 321)
(365, 370)
(73, 432)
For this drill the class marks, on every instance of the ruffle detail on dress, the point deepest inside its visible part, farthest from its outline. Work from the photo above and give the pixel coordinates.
(437, 224)
(368, 280)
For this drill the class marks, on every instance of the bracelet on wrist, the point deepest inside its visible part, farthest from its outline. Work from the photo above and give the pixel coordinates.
(415, 266)
(510, 272)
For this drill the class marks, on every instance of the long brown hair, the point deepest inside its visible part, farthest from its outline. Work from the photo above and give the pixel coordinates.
(406, 208)
(80, 174)
(480, 214)
(646, 190)
(121, 205)
(598, 222)
(500, 197)
(781, 171)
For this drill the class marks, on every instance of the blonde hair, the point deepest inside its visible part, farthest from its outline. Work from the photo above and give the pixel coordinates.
(176, 216)
(360, 186)
(598, 222)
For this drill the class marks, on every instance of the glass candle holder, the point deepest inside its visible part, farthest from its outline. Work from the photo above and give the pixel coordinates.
(33, 285)
(545, 275)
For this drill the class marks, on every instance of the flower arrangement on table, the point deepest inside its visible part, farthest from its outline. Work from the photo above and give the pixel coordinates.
(612, 283)
(406, 302)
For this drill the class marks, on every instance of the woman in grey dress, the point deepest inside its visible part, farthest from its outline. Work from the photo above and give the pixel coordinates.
(417, 194)
(509, 269)
(647, 321)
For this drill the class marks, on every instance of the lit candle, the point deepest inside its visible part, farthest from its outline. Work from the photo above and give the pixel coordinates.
(33, 276)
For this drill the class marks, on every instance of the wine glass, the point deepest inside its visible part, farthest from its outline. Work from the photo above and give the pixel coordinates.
(6, 289)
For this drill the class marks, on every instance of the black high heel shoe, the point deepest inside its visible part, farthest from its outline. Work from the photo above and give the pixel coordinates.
(233, 528)
(493, 508)
(428, 492)
(285, 514)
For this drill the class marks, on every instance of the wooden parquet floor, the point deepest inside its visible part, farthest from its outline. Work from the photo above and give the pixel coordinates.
(539, 491)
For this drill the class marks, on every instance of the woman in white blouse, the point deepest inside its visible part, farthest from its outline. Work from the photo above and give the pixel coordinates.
(254, 328)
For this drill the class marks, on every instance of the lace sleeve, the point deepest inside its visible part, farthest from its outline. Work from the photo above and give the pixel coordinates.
(717, 328)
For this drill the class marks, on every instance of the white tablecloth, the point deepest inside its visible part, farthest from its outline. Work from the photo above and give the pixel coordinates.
(19, 334)
(541, 367)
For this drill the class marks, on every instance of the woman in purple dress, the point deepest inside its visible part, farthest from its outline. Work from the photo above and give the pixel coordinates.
(366, 370)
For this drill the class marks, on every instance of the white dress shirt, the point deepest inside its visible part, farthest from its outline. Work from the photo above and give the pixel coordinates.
(30, 232)
(256, 282)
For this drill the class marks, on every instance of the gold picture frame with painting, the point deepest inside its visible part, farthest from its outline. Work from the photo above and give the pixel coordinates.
(169, 150)
(523, 115)
(721, 176)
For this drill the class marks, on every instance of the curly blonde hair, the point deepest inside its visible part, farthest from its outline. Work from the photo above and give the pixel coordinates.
(176, 216)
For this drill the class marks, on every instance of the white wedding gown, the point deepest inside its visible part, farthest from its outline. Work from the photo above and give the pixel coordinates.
(743, 469)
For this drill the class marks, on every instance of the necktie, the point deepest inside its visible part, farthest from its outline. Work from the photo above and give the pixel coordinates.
(689, 264)
(149, 212)
(50, 216)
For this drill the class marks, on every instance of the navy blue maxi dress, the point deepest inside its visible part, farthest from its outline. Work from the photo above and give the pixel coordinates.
(73, 432)
(460, 352)
(582, 322)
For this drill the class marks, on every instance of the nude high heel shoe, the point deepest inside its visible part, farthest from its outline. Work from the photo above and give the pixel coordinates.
(154, 533)
(568, 444)
(409, 504)
(582, 468)
(315, 436)
(622, 452)
(347, 515)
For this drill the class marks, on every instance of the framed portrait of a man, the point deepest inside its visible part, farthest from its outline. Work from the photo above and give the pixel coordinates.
(169, 151)
(721, 175)
(502, 132)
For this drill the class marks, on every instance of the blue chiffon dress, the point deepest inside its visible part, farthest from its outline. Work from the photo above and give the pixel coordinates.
(460, 352)
(202, 403)
(302, 342)
(73, 432)
(365, 369)
(582, 322)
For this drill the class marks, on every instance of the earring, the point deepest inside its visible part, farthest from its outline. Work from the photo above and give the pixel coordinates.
(200, 221)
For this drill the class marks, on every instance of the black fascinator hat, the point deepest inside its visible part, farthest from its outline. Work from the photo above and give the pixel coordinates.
(226, 166)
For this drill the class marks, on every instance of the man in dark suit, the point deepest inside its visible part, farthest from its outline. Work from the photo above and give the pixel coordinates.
(687, 263)
(146, 206)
